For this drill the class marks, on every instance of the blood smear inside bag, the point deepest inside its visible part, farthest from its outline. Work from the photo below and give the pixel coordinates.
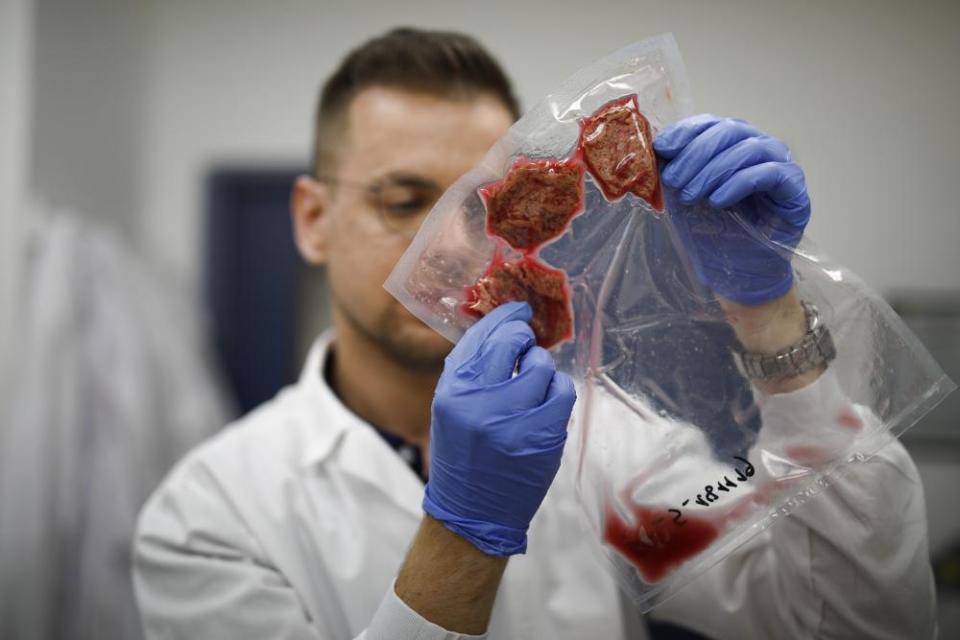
(656, 542)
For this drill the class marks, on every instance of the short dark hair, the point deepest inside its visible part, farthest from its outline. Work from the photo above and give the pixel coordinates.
(442, 63)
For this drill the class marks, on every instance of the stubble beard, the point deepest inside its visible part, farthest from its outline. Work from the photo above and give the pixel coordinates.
(420, 351)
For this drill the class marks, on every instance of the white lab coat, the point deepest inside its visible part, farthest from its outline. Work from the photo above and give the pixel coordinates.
(294, 522)
(110, 387)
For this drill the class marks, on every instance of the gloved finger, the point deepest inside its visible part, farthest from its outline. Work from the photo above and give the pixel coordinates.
(746, 153)
(672, 139)
(497, 357)
(536, 372)
(783, 182)
(561, 397)
(477, 334)
(553, 415)
(705, 148)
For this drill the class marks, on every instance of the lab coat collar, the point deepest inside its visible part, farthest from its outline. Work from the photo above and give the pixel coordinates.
(359, 450)
(322, 402)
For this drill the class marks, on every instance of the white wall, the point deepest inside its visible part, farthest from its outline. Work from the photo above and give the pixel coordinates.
(135, 100)
(88, 92)
(16, 37)
(864, 91)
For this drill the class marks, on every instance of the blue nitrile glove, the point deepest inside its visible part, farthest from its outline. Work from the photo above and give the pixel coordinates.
(728, 163)
(496, 439)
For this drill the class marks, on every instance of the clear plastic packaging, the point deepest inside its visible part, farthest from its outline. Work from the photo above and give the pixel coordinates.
(678, 459)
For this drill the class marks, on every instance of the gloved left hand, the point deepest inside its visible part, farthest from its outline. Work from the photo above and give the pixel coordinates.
(496, 438)
(742, 256)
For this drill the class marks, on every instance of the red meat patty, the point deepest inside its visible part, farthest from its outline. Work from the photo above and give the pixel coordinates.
(617, 147)
(534, 202)
(545, 289)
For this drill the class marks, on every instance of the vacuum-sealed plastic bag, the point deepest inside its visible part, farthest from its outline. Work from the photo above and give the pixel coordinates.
(678, 458)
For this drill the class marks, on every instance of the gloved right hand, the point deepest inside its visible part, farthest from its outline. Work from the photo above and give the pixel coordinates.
(496, 438)
(741, 254)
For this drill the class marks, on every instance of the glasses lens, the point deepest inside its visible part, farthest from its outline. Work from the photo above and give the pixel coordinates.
(403, 207)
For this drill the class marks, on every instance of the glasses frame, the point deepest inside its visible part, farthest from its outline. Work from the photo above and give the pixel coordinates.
(374, 189)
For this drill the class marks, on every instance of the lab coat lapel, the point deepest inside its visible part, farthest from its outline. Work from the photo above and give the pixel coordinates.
(350, 443)
(365, 456)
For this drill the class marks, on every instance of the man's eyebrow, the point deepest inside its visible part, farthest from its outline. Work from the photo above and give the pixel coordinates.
(404, 179)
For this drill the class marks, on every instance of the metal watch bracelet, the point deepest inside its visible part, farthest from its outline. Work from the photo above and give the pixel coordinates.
(816, 348)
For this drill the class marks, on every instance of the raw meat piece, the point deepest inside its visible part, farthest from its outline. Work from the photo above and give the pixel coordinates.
(530, 280)
(617, 147)
(534, 202)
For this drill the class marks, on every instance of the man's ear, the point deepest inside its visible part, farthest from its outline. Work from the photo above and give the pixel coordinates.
(309, 207)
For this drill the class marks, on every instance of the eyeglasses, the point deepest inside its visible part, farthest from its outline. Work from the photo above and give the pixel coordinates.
(402, 202)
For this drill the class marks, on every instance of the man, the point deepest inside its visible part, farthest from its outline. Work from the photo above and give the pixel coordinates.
(304, 520)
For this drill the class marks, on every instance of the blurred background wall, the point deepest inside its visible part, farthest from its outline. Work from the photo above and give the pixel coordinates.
(16, 48)
(134, 100)
(120, 109)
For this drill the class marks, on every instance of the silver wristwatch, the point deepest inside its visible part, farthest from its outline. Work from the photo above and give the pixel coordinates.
(813, 350)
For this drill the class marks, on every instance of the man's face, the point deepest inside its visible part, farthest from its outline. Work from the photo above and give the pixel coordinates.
(394, 137)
